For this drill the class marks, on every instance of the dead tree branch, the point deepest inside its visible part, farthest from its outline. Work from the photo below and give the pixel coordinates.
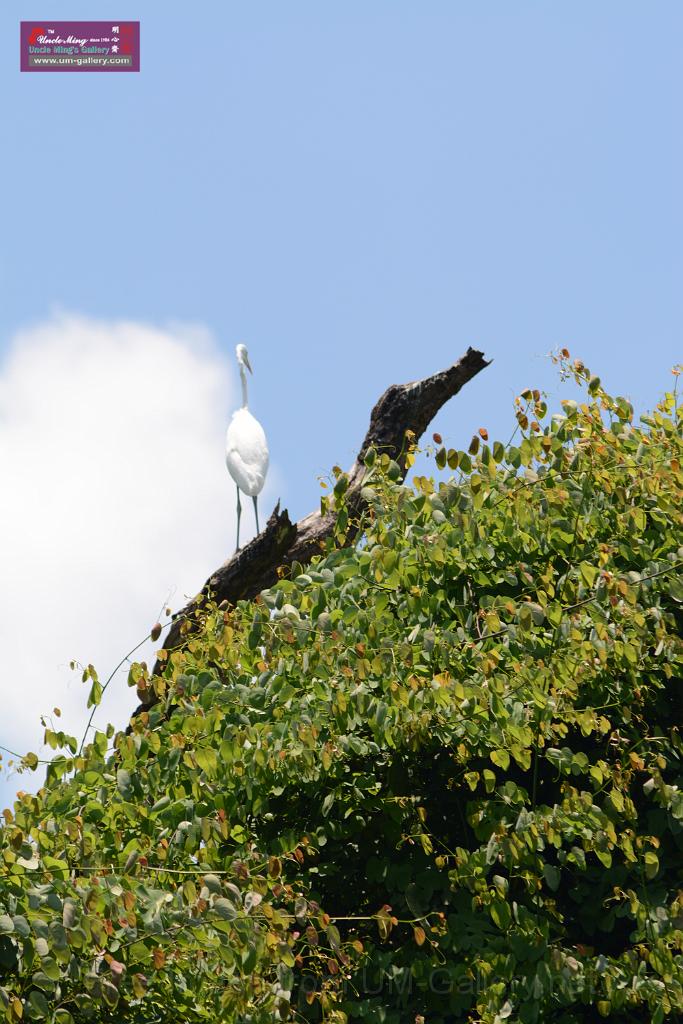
(401, 408)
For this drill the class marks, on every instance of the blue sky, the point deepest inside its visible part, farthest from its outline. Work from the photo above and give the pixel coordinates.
(359, 191)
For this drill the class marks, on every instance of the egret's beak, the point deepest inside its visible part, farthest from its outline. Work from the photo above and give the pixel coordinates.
(247, 363)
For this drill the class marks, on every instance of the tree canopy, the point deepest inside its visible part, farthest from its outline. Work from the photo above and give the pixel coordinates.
(433, 776)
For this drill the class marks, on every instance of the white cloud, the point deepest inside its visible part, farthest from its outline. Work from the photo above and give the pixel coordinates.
(113, 492)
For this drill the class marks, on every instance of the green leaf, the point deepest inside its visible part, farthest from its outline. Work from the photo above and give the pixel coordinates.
(501, 758)
(124, 783)
(651, 864)
(207, 759)
(554, 614)
(605, 857)
(255, 635)
(21, 926)
(501, 915)
(109, 993)
(327, 804)
(524, 617)
(40, 1008)
(51, 969)
(95, 695)
(537, 613)
(69, 913)
(639, 519)
(225, 909)
(552, 876)
(588, 573)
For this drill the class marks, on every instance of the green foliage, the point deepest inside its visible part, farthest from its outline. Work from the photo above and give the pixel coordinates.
(434, 776)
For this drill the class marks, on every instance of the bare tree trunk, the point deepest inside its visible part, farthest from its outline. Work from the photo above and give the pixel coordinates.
(402, 407)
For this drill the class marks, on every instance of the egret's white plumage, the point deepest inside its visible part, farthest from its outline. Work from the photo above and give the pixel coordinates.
(246, 448)
(246, 452)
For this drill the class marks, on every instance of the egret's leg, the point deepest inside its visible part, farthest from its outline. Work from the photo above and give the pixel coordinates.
(258, 530)
(239, 513)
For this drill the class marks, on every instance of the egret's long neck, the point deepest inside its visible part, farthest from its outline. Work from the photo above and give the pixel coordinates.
(243, 377)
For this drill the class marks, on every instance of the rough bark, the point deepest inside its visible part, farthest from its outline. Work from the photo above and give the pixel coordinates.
(402, 407)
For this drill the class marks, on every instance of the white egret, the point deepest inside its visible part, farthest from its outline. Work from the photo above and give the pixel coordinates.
(246, 448)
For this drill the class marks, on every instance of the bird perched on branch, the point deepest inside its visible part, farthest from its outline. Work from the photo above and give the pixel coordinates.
(246, 448)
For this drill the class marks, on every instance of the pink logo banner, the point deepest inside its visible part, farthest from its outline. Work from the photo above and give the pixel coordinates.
(80, 46)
